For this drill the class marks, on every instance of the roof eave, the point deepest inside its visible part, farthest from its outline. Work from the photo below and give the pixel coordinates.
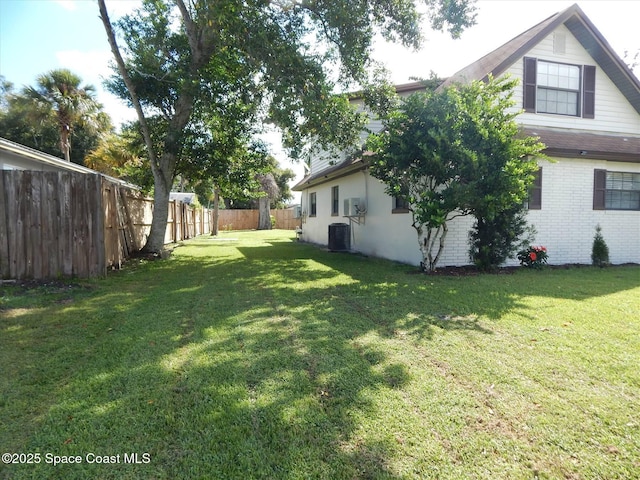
(329, 175)
(574, 19)
(46, 159)
(592, 155)
(601, 51)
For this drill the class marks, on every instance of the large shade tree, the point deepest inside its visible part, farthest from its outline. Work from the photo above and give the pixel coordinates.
(178, 55)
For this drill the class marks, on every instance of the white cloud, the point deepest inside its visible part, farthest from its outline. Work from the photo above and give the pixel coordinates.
(91, 66)
(121, 7)
(69, 5)
(116, 108)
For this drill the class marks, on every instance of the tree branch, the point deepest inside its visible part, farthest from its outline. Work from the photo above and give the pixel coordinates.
(189, 25)
(104, 16)
(200, 44)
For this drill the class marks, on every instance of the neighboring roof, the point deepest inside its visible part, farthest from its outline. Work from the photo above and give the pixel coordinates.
(184, 197)
(401, 88)
(50, 160)
(498, 61)
(563, 143)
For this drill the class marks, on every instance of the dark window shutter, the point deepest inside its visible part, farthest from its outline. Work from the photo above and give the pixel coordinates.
(535, 196)
(599, 188)
(589, 92)
(529, 94)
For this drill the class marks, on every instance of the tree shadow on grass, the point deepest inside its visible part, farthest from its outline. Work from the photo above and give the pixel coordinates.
(210, 378)
(255, 365)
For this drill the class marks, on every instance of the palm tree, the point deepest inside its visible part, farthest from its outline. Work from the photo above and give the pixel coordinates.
(58, 94)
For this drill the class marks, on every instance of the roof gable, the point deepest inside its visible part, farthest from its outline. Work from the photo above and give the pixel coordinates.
(499, 60)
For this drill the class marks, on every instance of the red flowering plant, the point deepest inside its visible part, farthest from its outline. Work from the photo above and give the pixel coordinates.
(535, 257)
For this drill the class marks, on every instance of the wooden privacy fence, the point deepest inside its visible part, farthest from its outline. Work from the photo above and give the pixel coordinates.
(248, 219)
(76, 224)
(51, 224)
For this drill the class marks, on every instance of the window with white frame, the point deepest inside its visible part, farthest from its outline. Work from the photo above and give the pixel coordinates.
(558, 88)
(623, 191)
(399, 205)
(335, 201)
(616, 190)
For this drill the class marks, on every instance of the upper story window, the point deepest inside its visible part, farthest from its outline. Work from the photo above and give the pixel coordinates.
(559, 88)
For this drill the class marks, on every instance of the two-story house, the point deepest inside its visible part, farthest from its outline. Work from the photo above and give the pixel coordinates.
(583, 102)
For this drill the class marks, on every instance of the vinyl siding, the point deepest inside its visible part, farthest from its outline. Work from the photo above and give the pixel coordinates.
(322, 160)
(613, 113)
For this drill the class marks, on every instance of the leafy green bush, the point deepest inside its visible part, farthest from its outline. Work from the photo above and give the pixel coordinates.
(492, 240)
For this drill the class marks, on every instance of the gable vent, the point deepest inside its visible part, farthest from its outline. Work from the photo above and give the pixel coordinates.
(559, 43)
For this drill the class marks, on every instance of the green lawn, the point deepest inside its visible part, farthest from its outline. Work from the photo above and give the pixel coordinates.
(253, 356)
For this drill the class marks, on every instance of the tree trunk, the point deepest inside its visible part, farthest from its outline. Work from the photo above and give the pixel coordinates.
(155, 240)
(65, 145)
(216, 211)
(163, 168)
(264, 215)
(427, 238)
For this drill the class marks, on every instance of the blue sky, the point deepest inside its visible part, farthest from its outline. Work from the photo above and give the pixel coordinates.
(40, 35)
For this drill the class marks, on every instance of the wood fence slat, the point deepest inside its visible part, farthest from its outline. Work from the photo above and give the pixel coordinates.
(50, 223)
(108, 241)
(77, 208)
(66, 231)
(13, 216)
(129, 227)
(97, 265)
(23, 267)
(5, 180)
(113, 198)
(35, 228)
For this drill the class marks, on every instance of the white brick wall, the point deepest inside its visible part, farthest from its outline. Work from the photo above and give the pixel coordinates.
(565, 224)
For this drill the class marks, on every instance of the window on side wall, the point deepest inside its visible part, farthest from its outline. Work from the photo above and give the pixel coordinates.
(535, 193)
(399, 205)
(559, 88)
(335, 201)
(616, 190)
(312, 204)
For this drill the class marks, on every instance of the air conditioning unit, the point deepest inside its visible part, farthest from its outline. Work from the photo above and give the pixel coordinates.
(297, 211)
(354, 207)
